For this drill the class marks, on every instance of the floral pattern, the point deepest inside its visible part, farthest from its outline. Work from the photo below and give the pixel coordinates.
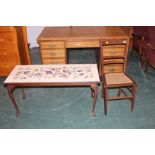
(53, 72)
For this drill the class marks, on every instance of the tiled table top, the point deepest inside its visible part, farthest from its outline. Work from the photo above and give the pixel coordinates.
(53, 73)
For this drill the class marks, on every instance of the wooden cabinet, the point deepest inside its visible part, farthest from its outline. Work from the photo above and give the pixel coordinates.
(53, 52)
(113, 56)
(13, 48)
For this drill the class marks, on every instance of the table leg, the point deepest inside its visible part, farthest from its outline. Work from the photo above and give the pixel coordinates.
(23, 94)
(94, 90)
(10, 92)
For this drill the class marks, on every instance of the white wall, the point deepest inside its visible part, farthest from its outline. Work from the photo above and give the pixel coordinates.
(32, 34)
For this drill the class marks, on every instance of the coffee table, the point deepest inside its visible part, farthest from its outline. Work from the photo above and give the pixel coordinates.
(65, 75)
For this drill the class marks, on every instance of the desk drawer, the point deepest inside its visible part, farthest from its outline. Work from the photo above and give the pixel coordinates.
(52, 44)
(54, 61)
(6, 41)
(112, 68)
(113, 50)
(114, 41)
(110, 61)
(54, 53)
(7, 54)
(82, 44)
(6, 68)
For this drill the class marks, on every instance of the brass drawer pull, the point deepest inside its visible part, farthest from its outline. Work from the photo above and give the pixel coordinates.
(107, 42)
(53, 61)
(52, 46)
(78, 44)
(111, 69)
(124, 42)
(112, 51)
(53, 54)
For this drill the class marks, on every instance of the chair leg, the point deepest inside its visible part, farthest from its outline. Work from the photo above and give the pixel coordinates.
(146, 66)
(105, 101)
(132, 51)
(132, 104)
(133, 99)
(102, 90)
(119, 92)
(141, 61)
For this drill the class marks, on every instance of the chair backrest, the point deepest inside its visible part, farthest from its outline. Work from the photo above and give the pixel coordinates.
(113, 57)
(151, 34)
(141, 31)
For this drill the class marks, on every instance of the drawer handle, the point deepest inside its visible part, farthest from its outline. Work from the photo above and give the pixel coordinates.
(53, 61)
(52, 46)
(107, 42)
(53, 54)
(124, 42)
(78, 44)
(1, 40)
(111, 70)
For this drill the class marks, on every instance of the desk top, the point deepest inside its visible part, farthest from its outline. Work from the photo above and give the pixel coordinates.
(53, 73)
(82, 32)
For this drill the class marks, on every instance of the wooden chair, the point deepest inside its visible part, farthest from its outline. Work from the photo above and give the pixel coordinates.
(148, 49)
(140, 33)
(113, 66)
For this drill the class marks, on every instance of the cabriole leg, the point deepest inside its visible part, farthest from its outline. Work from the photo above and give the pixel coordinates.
(94, 90)
(10, 92)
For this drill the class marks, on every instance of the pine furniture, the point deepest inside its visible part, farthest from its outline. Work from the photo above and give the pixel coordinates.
(113, 58)
(54, 41)
(13, 48)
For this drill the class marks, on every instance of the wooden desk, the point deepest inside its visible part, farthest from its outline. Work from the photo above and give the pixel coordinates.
(54, 41)
(51, 76)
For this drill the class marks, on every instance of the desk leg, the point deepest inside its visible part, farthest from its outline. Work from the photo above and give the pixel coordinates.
(10, 92)
(94, 90)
